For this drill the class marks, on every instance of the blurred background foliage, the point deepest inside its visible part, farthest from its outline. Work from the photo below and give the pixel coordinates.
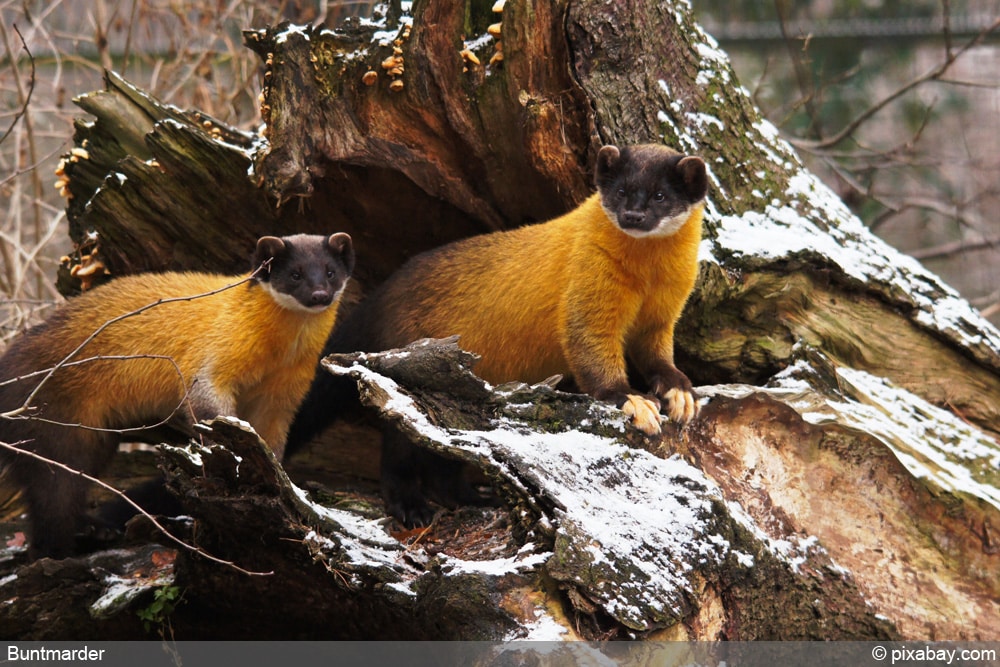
(896, 105)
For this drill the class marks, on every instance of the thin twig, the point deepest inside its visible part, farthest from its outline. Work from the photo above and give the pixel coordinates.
(31, 84)
(947, 249)
(104, 485)
(119, 318)
(932, 75)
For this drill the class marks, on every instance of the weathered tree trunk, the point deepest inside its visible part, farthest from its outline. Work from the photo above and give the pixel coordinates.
(842, 481)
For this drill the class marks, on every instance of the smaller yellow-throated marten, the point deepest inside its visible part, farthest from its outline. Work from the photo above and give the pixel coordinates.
(577, 295)
(249, 351)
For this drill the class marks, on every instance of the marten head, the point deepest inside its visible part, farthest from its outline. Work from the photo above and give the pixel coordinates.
(304, 272)
(649, 190)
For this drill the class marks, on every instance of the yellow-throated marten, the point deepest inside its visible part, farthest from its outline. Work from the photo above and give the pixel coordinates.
(249, 351)
(577, 295)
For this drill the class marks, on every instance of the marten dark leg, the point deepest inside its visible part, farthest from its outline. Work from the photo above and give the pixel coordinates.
(653, 355)
(57, 498)
(401, 471)
(152, 496)
(412, 475)
(56, 507)
(595, 352)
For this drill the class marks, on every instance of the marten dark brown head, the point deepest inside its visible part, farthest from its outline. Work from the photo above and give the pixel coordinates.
(649, 189)
(305, 272)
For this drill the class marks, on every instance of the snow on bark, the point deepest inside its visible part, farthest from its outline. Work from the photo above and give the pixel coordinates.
(932, 443)
(637, 534)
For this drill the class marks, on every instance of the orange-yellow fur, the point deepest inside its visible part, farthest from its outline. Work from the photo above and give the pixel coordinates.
(593, 294)
(159, 350)
(236, 352)
(572, 295)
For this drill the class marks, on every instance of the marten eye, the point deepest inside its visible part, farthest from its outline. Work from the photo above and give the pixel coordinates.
(659, 196)
(296, 276)
(329, 274)
(621, 193)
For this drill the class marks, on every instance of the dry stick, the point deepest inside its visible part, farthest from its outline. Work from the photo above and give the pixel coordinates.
(29, 126)
(31, 257)
(954, 211)
(803, 77)
(10, 278)
(190, 547)
(18, 413)
(947, 249)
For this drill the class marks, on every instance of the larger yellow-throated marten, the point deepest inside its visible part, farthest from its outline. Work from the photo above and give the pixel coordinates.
(199, 348)
(577, 295)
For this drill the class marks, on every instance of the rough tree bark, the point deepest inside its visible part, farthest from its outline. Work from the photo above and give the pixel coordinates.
(842, 481)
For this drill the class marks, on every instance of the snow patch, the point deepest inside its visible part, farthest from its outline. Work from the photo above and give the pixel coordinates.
(544, 628)
(932, 443)
(283, 36)
(495, 567)
(620, 514)
(782, 231)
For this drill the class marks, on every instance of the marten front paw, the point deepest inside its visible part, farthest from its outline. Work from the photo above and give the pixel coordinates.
(681, 405)
(673, 388)
(645, 413)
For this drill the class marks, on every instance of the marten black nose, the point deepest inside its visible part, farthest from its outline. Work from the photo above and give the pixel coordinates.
(320, 297)
(631, 219)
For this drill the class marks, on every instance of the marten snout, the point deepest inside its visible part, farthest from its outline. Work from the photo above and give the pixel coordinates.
(320, 297)
(633, 220)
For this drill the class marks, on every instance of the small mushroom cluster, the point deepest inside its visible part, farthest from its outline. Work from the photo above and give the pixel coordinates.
(89, 267)
(265, 91)
(496, 30)
(62, 179)
(393, 65)
(208, 125)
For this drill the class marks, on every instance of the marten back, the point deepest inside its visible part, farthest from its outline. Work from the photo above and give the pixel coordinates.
(164, 349)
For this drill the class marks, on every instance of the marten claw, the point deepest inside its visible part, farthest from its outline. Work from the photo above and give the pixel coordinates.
(681, 405)
(645, 413)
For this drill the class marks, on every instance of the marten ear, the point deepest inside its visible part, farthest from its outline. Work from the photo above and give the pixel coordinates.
(607, 162)
(268, 247)
(695, 177)
(341, 246)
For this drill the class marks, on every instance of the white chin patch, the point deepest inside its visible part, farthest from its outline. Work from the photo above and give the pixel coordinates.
(665, 227)
(670, 226)
(289, 302)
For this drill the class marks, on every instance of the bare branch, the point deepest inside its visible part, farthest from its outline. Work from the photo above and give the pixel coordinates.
(933, 75)
(23, 412)
(947, 249)
(13, 61)
(190, 547)
(138, 311)
(803, 76)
